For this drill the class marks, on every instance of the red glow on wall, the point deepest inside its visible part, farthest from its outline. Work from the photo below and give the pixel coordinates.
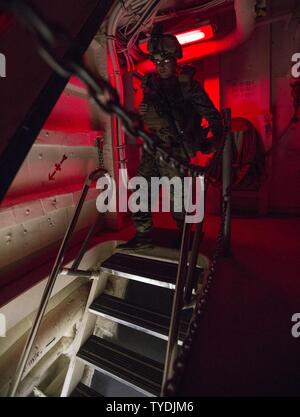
(71, 113)
(212, 87)
(196, 35)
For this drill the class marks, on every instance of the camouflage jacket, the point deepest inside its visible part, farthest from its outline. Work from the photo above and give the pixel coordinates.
(174, 110)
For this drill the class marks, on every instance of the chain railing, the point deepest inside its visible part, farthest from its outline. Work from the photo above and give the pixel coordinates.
(50, 37)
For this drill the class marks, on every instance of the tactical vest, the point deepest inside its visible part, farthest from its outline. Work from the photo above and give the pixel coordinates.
(169, 112)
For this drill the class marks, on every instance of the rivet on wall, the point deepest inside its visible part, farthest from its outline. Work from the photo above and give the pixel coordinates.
(8, 237)
(51, 224)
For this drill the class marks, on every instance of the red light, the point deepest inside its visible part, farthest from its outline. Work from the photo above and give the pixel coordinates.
(204, 32)
(195, 35)
(189, 37)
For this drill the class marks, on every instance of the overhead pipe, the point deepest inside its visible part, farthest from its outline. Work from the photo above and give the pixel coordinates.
(115, 78)
(115, 75)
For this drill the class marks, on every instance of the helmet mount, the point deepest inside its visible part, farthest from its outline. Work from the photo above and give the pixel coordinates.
(163, 46)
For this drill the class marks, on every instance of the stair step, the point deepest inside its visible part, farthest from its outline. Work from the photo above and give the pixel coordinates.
(140, 318)
(83, 390)
(135, 370)
(147, 270)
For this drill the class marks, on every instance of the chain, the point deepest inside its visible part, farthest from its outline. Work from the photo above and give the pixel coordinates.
(49, 37)
(180, 362)
(99, 146)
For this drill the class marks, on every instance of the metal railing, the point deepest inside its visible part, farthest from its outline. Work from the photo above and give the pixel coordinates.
(57, 270)
(186, 280)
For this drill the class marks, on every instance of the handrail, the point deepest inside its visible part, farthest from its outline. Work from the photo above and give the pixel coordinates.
(177, 302)
(227, 182)
(185, 273)
(190, 280)
(57, 268)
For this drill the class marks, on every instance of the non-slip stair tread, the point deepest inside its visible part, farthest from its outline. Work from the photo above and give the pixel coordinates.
(141, 372)
(145, 318)
(151, 269)
(83, 390)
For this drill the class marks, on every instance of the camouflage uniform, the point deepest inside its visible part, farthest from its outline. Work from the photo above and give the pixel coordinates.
(173, 109)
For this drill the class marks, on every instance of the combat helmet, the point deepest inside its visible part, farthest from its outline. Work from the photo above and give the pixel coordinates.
(162, 46)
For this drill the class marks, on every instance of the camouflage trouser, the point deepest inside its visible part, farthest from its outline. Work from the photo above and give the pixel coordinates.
(148, 168)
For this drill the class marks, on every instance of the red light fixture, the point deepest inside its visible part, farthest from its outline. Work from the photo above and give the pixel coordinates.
(189, 37)
(196, 35)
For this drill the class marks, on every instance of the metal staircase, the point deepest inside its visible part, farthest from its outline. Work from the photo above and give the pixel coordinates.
(127, 366)
(143, 319)
(149, 271)
(179, 276)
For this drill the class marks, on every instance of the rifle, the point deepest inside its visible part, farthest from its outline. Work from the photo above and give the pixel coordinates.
(179, 136)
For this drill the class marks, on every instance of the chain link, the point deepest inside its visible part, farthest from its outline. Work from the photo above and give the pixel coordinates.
(179, 366)
(103, 94)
